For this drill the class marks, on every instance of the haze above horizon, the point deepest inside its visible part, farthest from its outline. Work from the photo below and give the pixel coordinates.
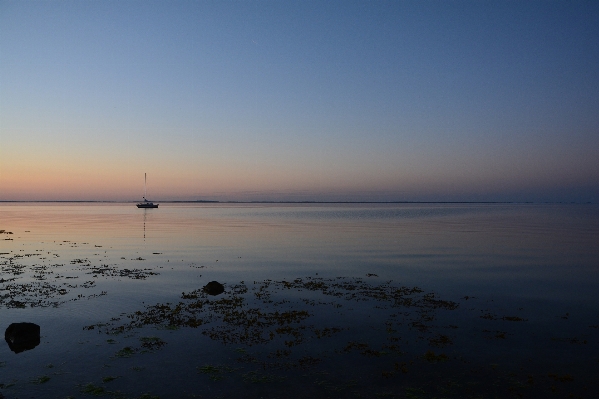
(299, 101)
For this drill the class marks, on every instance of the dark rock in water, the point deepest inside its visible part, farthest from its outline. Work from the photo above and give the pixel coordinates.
(214, 288)
(22, 336)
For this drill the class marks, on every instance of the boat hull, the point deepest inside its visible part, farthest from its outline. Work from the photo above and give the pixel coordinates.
(147, 205)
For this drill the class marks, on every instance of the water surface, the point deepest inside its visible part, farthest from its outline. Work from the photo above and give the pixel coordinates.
(331, 300)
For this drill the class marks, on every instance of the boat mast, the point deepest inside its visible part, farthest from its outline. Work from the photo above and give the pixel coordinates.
(145, 193)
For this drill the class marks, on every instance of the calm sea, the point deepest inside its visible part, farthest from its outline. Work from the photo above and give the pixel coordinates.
(322, 300)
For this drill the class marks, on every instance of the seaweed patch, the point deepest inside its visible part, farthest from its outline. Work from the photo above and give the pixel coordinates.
(34, 280)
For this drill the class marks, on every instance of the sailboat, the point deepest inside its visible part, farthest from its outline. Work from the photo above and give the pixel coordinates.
(146, 203)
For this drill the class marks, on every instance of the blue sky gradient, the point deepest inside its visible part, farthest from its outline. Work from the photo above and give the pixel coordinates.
(309, 100)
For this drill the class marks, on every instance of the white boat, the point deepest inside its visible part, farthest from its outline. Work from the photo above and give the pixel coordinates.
(146, 203)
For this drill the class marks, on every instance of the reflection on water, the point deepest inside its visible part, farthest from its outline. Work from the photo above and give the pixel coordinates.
(232, 300)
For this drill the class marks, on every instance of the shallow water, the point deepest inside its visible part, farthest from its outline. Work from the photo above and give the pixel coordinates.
(333, 300)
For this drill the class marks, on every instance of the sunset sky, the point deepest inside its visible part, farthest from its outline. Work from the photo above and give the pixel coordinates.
(304, 100)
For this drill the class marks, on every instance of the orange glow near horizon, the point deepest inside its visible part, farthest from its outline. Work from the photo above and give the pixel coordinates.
(62, 182)
(84, 172)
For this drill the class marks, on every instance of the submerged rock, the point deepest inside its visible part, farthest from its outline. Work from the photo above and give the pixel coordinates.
(22, 336)
(214, 288)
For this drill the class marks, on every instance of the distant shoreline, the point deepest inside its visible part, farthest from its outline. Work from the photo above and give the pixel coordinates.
(294, 202)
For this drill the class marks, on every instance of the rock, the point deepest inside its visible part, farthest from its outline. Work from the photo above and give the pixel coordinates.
(22, 336)
(214, 288)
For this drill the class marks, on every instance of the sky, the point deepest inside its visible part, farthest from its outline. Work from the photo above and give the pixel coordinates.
(299, 100)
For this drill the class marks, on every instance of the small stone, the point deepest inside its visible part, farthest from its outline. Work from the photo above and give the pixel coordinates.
(214, 288)
(22, 336)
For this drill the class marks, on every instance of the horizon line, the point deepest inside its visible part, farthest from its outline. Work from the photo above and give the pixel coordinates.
(296, 202)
